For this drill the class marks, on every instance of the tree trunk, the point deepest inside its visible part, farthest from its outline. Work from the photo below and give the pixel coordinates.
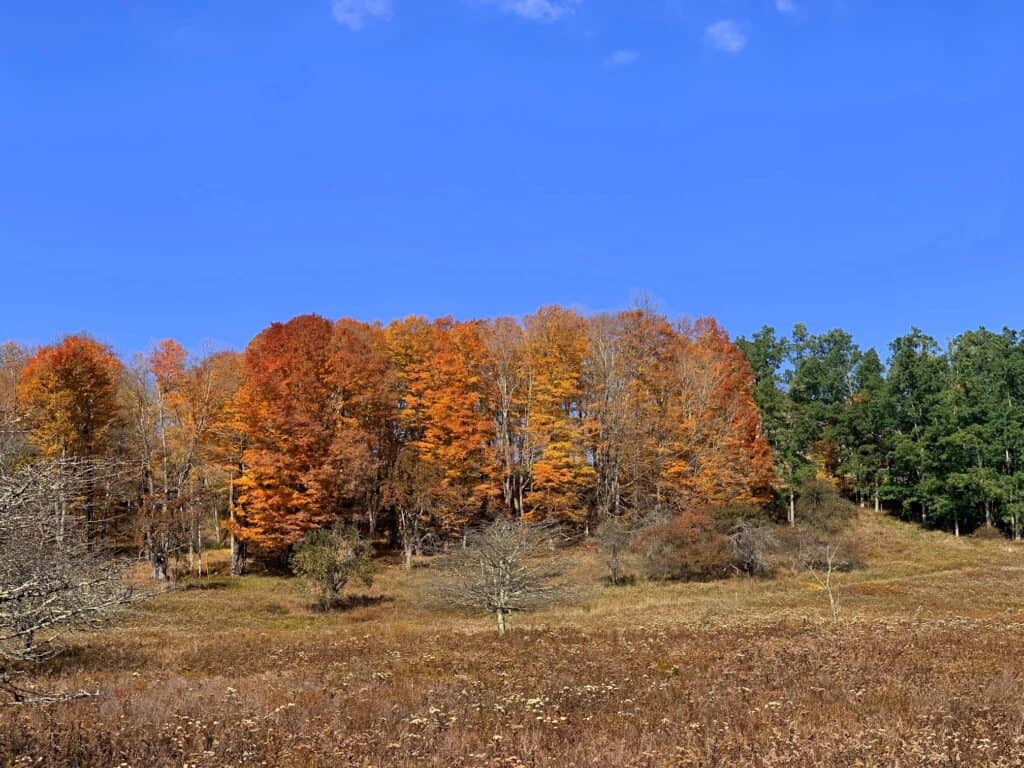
(792, 508)
(501, 623)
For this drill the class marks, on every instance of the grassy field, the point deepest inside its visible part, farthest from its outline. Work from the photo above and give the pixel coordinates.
(925, 668)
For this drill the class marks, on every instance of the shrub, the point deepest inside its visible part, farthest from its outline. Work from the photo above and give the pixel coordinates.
(728, 516)
(753, 547)
(989, 533)
(686, 547)
(329, 558)
(821, 508)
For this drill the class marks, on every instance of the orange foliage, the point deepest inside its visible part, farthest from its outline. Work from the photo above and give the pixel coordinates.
(286, 409)
(442, 416)
(364, 395)
(427, 423)
(70, 395)
(556, 346)
(716, 453)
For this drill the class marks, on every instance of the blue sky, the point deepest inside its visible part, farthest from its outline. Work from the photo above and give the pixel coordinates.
(198, 170)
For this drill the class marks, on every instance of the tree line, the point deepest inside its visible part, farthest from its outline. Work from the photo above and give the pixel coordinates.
(935, 434)
(414, 432)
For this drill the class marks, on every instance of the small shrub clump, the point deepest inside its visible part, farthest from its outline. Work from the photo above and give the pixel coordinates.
(687, 547)
(821, 508)
(328, 559)
(753, 548)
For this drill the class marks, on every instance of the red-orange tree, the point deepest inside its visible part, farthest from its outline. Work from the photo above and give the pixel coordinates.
(286, 409)
(364, 394)
(69, 393)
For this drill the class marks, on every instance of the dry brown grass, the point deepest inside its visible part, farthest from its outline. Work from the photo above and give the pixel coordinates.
(925, 669)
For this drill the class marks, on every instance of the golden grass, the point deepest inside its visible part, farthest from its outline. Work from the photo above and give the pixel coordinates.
(924, 669)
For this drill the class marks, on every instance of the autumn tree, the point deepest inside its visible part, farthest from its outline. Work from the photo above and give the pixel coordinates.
(716, 452)
(364, 444)
(183, 408)
(443, 475)
(626, 375)
(69, 393)
(287, 415)
(560, 471)
(507, 384)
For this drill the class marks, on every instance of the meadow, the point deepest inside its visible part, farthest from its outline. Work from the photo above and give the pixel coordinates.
(923, 669)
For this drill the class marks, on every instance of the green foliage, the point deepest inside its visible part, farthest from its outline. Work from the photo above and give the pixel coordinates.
(938, 437)
(329, 558)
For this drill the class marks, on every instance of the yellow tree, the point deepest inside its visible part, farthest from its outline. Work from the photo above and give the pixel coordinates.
(443, 470)
(715, 452)
(193, 402)
(560, 472)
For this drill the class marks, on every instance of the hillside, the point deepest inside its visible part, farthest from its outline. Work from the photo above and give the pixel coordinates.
(924, 669)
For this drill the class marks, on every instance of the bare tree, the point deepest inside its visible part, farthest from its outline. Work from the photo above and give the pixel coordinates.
(823, 562)
(51, 579)
(614, 538)
(506, 567)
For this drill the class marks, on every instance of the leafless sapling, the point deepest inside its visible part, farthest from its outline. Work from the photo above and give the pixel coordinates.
(506, 567)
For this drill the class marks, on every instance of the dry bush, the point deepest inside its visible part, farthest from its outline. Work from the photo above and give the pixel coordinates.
(821, 508)
(686, 547)
(614, 538)
(988, 533)
(754, 546)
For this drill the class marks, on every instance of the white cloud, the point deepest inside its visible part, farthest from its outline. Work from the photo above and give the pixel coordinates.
(355, 13)
(621, 58)
(539, 10)
(726, 36)
(785, 6)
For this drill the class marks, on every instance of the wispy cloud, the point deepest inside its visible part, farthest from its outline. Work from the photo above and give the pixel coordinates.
(785, 6)
(726, 36)
(621, 58)
(538, 10)
(355, 13)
